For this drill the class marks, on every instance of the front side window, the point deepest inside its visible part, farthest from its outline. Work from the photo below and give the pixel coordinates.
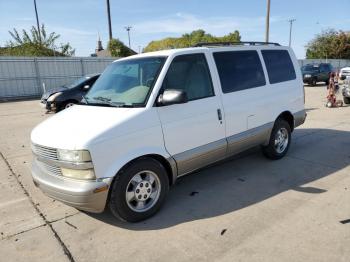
(279, 65)
(126, 83)
(239, 70)
(191, 74)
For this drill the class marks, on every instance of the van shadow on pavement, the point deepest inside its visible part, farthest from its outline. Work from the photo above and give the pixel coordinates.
(249, 178)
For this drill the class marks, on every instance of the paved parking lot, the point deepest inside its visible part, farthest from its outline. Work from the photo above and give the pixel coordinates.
(245, 209)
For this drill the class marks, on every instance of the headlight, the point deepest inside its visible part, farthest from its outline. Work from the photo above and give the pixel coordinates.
(74, 155)
(307, 75)
(87, 174)
(54, 96)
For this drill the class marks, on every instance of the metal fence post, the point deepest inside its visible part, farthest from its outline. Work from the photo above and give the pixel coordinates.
(38, 78)
(82, 67)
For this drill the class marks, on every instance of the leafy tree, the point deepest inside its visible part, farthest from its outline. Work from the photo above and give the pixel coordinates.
(118, 49)
(191, 39)
(34, 44)
(330, 44)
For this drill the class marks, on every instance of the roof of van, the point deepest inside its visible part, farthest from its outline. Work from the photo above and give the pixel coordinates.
(169, 52)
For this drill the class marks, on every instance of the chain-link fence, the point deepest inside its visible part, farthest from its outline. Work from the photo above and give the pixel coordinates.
(22, 77)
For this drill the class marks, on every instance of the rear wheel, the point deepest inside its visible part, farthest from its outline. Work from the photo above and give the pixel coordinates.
(346, 100)
(139, 191)
(279, 140)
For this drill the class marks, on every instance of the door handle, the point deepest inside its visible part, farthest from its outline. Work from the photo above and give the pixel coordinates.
(219, 115)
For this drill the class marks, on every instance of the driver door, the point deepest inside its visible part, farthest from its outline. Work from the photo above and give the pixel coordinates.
(194, 132)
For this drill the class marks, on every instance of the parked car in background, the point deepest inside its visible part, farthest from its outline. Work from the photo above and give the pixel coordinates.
(313, 73)
(63, 97)
(153, 117)
(344, 72)
(346, 90)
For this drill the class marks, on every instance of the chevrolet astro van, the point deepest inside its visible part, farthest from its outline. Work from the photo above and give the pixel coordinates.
(154, 117)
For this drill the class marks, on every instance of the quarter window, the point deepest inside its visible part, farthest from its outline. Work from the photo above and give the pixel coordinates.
(191, 74)
(239, 70)
(279, 65)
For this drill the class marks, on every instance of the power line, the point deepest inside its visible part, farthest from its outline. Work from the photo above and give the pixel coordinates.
(128, 28)
(37, 21)
(267, 31)
(109, 21)
(291, 21)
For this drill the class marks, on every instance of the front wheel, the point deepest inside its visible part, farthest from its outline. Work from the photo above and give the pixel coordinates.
(314, 82)
(139, 191)
(279, 140)
(69, 104)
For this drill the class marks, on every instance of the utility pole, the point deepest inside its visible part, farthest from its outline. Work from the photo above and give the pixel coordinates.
(291, 21)
(128, 28)
(267, 32)
(37, 20)
(109, 21)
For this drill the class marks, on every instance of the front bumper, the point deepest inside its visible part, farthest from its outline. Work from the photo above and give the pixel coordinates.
(83, 195)
(308, 79)
(49, 106)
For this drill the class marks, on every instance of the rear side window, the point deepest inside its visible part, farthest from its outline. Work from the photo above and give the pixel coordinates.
(239, 70)
(279, 65)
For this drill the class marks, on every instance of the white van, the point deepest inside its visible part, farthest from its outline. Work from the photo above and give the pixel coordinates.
(154, 117)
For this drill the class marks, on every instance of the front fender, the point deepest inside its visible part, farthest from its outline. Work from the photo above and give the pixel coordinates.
(111, 155)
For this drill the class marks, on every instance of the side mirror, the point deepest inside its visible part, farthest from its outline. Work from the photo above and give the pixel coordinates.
(86, 87)
(172, 97)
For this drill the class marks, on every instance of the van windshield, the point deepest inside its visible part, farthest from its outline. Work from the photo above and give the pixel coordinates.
(126, 83)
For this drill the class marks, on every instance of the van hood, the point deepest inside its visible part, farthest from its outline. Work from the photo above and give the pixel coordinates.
(79, 126)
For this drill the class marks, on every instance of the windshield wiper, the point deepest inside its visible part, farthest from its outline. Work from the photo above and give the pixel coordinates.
(107, 102)
(101, 98)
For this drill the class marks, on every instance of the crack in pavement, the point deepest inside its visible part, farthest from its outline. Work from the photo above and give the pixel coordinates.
(24, 231)
(58, 238)
(45, 224)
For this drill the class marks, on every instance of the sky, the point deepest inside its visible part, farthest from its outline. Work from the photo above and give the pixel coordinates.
(80, 21)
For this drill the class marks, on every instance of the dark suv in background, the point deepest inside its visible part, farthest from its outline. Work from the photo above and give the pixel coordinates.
(313, 73)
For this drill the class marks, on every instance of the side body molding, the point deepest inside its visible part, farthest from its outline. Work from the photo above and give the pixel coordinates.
(202, 156)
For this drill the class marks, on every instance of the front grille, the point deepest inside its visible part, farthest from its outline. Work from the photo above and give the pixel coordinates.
(45, 152)
(49, 169)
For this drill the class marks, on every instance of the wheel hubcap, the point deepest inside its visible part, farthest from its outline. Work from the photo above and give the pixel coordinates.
(281, 140)
(143, 191)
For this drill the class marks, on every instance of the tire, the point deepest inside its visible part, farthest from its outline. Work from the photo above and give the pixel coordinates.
(313, 82)
(135, 182)
(68, 104)
(278, 149)
(346, 100)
